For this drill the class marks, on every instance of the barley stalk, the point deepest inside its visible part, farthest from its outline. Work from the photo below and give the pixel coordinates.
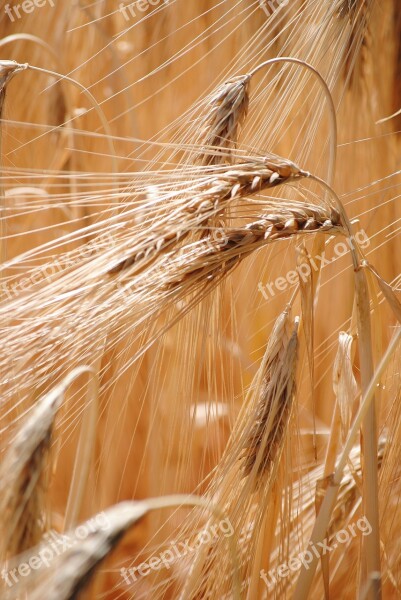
(320, 527)
(113, 304)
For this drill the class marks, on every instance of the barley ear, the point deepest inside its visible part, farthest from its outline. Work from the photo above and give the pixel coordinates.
(22, 479)
(22, 474)
(8, 68)
(264, 441)
(226, 112)
(74, 569)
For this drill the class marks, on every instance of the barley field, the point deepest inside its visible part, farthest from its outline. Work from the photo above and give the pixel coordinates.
(200, 299)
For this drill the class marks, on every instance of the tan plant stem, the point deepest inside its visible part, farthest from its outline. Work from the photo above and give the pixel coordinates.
(8, 69)
(85, 447)
(369, 427)
(318, 246)
(329, 98)
(305, 579)
(366, 417)
(90, 97)
(369, 430)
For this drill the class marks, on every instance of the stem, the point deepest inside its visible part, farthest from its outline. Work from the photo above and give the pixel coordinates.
(8, 68)
(84, 452)
(92, 100)
(28, 37)
(369, 429)
(318, 247)
(369, 426)
(305, 579)
(330, 102)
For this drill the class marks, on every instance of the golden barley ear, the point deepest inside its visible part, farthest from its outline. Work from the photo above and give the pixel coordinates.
(73, 570)
(207, 197)
(244, 481)
(225, 113)
(348, 502)
(69, 574)
(357, 47)
(214, 193)
(8, 68)
(22, 479)
(265, 439)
